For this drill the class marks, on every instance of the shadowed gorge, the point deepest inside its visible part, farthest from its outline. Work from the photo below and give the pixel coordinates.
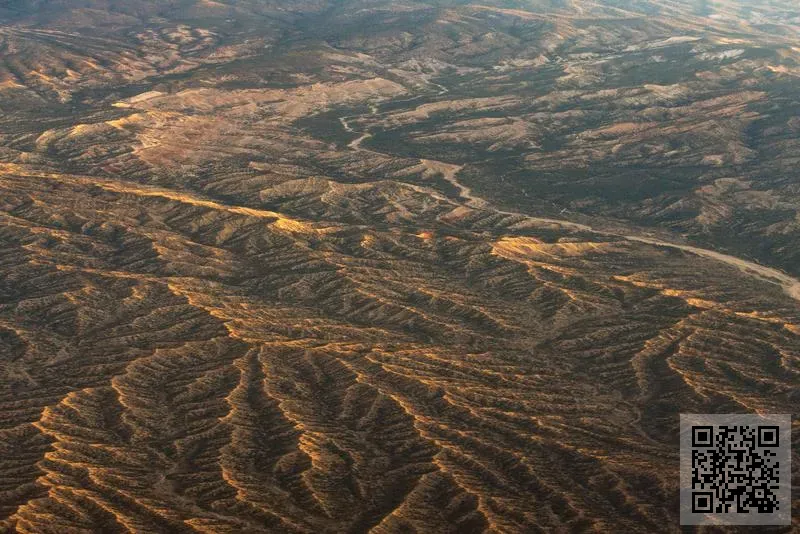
(387, 267)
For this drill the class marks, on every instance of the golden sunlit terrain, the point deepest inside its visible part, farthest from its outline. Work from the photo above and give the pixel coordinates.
(388, 266)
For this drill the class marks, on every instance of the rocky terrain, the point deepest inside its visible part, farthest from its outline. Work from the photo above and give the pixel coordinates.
(380, 266)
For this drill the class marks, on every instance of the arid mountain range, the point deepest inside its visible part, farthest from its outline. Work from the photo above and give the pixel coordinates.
(349, 266)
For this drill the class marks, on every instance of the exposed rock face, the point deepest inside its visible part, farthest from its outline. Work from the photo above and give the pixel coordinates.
(387, 267)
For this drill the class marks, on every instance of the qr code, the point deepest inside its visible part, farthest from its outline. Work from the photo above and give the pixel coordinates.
(735, 469)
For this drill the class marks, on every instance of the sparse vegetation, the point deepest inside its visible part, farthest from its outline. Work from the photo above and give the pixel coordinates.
(379, 266)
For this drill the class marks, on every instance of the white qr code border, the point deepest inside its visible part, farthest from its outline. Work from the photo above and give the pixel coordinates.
(700, 501)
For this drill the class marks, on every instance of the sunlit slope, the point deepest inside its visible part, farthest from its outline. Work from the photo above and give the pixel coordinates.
(387, 266)
(172, 362)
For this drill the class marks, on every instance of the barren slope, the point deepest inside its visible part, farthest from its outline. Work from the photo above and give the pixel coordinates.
(386, 267)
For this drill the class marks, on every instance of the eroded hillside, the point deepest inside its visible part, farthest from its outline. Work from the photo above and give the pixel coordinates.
(387, 267)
